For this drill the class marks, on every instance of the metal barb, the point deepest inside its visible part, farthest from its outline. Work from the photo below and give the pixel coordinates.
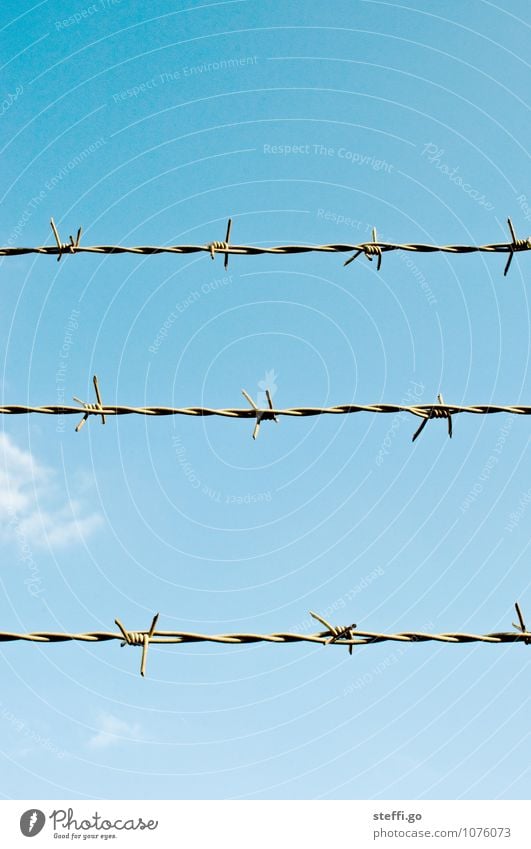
(435, 413)
(91, 409)
(139, 638)
(370, 249)
(65, 247)
(515, 245)
(222, 247)
(337, 633)
(261, 415)
(521, 626)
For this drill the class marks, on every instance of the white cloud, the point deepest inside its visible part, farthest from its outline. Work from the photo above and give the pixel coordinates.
(113, 730)
(31, 509)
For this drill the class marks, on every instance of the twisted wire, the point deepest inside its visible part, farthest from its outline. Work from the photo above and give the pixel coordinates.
(423, 411)
(338, 635)
(322, 637)
(371, 249)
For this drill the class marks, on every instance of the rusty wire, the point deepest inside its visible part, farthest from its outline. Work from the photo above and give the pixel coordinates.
(347, 636)
(371, 249)
(425, 412)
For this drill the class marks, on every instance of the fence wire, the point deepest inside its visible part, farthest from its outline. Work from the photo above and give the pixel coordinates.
(441, 410)
(347, 636)
(371, 249)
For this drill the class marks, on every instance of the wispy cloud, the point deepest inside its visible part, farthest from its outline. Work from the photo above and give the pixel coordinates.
(113, 730)
(31, 507)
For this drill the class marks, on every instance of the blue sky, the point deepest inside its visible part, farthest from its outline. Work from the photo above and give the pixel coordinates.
(304, 123)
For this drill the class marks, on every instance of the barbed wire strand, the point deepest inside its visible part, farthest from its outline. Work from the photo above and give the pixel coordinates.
(441, 410)
(368, 249)
(347, 636)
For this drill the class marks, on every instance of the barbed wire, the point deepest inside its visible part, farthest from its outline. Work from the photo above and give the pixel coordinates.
(371, 249)
(347, 636)
(426, 412)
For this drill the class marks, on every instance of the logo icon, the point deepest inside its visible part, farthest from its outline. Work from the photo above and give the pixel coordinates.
(268, 384)
(32, 822)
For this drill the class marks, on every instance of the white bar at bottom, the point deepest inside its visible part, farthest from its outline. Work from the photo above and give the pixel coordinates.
(266, 824)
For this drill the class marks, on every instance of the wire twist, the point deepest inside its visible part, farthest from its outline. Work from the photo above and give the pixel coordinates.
(261, 415)
(222, 247)
(139, 638)
(436, 412)
(422, 411)
(65, 247)
(516, 245)
(91, 409)
(333, 635)
(337, 632)
(369, 249)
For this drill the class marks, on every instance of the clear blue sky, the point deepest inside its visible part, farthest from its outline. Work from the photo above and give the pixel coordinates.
(152, 124)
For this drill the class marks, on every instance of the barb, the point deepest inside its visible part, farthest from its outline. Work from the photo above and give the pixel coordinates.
(261, 415)
(422, 411)
(521, 627)
(436, 412)
(64, 247)
(516, 245)
(91, 409)
(336, 632)
(139, 638)
(222, 246)
(369, 249)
